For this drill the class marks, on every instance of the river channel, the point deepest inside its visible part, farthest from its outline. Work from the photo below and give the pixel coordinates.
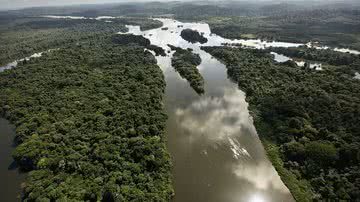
(216, 152)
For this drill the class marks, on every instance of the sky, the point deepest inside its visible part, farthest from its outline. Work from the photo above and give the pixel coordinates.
(16, 4)
(11, 4)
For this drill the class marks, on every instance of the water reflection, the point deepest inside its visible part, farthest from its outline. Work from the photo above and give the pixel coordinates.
(15, 63)
(346, 50)
(357, 75)
(216, 152)
(280, 57)
(10, 188)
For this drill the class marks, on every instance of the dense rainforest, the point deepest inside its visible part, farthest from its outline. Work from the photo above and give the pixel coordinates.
(308, 121)
(90, 123)
(193, 36)
(130, 39)
(336, 28)
(348, 62)
(185, 62)
(325, 22)
(25, 35)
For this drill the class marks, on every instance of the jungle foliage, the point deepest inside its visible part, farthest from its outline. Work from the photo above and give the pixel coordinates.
(308, 121)
(331, 27)
(185, 62)
(89, 123)
(347, 61)
(326, 22)
(130, 39)
(24, 36)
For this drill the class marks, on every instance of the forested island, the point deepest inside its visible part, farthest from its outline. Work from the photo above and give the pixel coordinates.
(307, 120)
(130, 39)
(90, 123)
(193, 36)
(185, 62)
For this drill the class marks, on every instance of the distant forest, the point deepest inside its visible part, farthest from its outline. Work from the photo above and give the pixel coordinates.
(331, 24)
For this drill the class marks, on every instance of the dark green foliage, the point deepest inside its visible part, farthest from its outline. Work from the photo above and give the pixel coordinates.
(328, 26)
(295, 151)
(135, 40)
(158, 50)
(25, 36)
(322, 153)
(193, 36)
(312, 117)
(322, 55)
(185, 62)
(130, 39)
(90, 123)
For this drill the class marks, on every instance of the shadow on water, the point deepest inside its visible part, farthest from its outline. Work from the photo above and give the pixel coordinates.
(10, 175)
(13, 166)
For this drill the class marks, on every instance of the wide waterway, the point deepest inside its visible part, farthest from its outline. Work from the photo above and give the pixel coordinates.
(216, 152)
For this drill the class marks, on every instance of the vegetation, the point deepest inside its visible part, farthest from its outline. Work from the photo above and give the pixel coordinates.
(322, 55)
(307, 120)
(24, 36)
(185, 62)
(193, 36)
(298, 21)
(130, 39)
(90, 123)
(336, 28)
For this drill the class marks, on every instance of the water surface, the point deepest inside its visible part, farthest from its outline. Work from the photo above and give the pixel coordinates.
(11, 179)
(216, 152)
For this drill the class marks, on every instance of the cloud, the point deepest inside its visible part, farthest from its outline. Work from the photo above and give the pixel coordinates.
(218, 118)
(263, 176)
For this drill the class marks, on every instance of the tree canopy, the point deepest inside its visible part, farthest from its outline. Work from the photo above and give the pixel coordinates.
(90, 123)
(185, 62)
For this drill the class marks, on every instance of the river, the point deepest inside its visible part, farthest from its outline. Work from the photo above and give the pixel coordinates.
(216, 152)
